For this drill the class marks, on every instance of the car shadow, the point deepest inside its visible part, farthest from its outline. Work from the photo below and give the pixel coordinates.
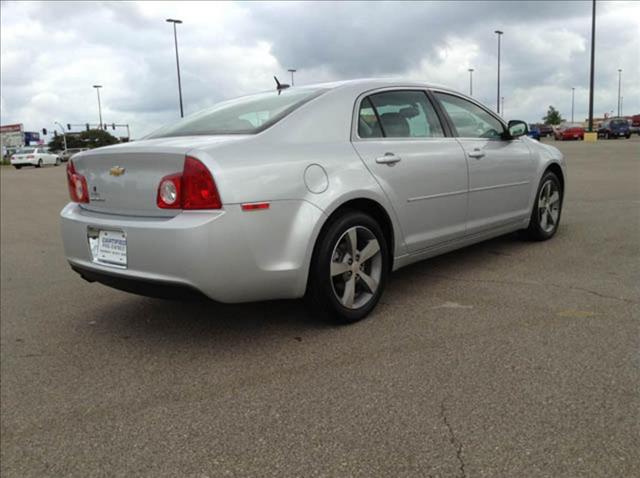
(134, 316)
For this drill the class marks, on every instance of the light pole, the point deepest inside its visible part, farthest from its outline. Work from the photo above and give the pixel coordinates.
(175, 39)
(292, 71)
(619, 90)
(621, 110)
(573, 97)
(499, 33)
(593, 61)
(64, 138)
(470, 81)
(502, 102)
(97, 87)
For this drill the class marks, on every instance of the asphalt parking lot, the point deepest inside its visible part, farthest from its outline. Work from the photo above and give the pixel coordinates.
(507, 358)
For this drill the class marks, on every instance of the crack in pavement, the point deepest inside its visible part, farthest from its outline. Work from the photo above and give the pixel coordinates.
(454, 441)
(527, 283)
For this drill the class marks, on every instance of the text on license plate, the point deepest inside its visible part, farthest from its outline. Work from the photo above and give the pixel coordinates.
(111, 248)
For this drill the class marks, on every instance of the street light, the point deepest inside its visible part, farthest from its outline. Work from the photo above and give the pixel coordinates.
(499, 33)
(470, 81)
(97, 87)
(175, 38)
(502, 101)
(573, 97)
(619, 88)
(593, 61)
(292, 71)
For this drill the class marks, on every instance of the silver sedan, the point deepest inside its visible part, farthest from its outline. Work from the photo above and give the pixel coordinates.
(317, 192)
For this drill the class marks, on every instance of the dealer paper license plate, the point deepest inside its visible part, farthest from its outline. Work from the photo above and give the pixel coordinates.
(112, 248)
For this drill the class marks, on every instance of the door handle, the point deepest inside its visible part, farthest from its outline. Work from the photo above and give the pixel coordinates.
(389, 159)
(476, 153)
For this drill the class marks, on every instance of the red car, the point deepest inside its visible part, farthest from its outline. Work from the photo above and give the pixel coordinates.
(569, 131)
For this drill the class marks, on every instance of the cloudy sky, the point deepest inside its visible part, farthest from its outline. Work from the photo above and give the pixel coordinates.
(52, 53)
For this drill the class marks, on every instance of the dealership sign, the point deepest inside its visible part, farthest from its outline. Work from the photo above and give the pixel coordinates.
(11, 135)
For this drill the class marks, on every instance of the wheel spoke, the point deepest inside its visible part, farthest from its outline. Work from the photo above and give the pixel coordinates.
(370, 250)
(338, 268)
(543, 220)
(349, 292)
(371, 283)
(555, 197)
(352, 234)
(553, 214)
(541, 202)
(550, 218)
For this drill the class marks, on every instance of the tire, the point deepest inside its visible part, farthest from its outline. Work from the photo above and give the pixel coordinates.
(328, 295)
(39, 165)
(539, 228)
(17, 167)
(57, 163)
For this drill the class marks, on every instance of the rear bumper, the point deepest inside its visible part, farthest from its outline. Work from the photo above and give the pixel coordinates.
(24, 162)
(147, 287)
(228, 255)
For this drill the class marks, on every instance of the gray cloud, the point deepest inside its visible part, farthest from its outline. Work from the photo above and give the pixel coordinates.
(52, 52)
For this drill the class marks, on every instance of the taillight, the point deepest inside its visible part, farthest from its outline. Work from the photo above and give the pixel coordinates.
(78, 190)
(194, 188)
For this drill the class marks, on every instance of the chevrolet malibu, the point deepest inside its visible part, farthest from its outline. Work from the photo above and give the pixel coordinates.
(316, 192)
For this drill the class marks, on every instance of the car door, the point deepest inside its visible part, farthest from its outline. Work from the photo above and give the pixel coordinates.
(501, 170)
(422, 170)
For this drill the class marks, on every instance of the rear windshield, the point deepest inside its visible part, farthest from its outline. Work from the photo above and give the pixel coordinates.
(25, 151)
(246, 115)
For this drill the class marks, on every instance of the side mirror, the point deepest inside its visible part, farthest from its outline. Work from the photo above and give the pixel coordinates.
(517, 128)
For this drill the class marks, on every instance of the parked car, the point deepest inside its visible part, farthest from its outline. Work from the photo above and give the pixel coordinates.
(66, 155)
(317, 191)
(545, 130)
(34, 156)
(534, 132)
(614, 128)
(568, 131)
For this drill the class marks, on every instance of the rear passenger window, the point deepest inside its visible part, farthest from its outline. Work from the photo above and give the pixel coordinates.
(368, 126)
(403, 114)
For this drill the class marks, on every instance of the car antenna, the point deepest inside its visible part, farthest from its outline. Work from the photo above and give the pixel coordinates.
(280, 86)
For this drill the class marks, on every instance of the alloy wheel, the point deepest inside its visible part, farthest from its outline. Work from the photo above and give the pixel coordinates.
(549, 206)
(356, 267)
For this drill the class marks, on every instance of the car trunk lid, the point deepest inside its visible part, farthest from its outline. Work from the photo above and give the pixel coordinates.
(124, 179)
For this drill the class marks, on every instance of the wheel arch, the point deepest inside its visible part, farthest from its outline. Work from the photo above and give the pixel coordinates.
(364, 204)
(557, 170)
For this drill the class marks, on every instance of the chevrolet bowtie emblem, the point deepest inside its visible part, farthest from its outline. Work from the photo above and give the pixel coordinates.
(116, 171)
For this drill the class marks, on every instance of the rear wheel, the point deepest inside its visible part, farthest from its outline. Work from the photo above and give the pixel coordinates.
(57, 163)
(349, 269)
(17, 167)
(39, 165)
(545, 215)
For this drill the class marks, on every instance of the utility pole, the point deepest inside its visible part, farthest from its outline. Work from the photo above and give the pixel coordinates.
(470, 81)
(97, 87)
(175, 39)
(573, 97)
(292, 71)
(64, 138)
(593, 61)
(499, 33)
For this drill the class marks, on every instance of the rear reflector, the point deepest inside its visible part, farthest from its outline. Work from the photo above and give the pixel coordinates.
(255, 206)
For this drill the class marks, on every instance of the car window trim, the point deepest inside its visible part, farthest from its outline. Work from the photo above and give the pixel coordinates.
(366, 94)
(505, 128)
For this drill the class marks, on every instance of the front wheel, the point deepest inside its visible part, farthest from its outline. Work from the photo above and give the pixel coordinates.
(545, 215)
(17, 167)
(349, 269)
